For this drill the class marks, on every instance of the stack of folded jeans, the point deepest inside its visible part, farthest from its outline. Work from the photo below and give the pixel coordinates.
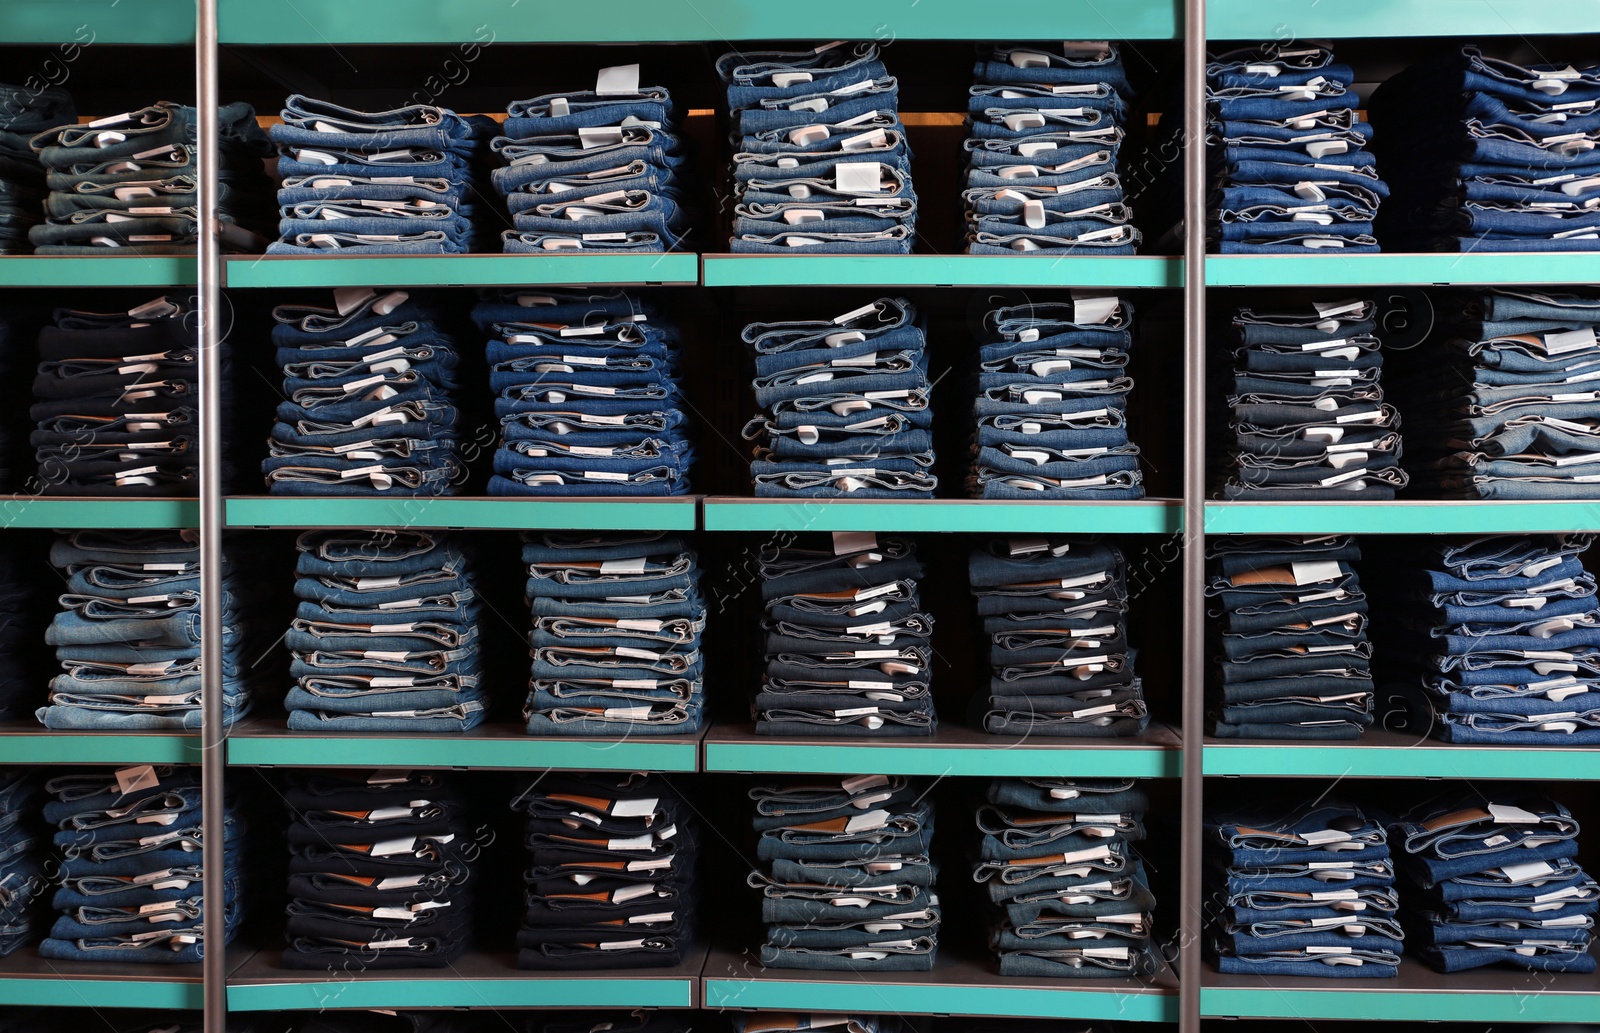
(1051, 402)
(821, 164)
(378, 1020)
(586, 391)
(1290, 170)
(1308, 417)
(1508, 397)
(848, 883)
(130, 182)
(1054, 611)
(1056, 857)
(380, 869)
(115, 402)
(611, 878)
(816, 1022)
(1488, 155)
(1306, 890)
(1044, 126)
(398, 182)
(22, 664)
(847, 642)
(1501, 635)
(385, 638)
(22, 874)
(25, 112)
(616, 635)
(128, 634)
(872, 437)
(1496, 881)
(131, 879)
(1293, 660)
(594, 170)
(367, 407)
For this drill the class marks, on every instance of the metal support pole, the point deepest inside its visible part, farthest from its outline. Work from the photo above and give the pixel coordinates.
(1192, 924)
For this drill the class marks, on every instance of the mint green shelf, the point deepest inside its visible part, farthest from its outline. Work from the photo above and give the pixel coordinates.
(88, 22)
(727, 513)
(36, 745)
(29, 980)
(1396, 269)
(1399, 517)
(17, 510)
(94, 270)
(677, 514)
(1384, 754)
(939, 271)
(260, 744)
(460, 270)
(1310, 19)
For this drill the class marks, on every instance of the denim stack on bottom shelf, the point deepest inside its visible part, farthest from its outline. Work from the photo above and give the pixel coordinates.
(1490, 155)
(128, 634)
(380, 871)
(130, 875)
(1306, 890)
(1493, 881)
(820, 164)
(23, 880)
(1293, 660)
(594, 170)
(617, 620)
(587, 395)
(1051, 406)
(847, 883)
(1054, 612)
(610, 883)
(1044, 127)
(845, 405)
(1307, 417)
(25, 112)
(1500, 637)
(114, 402)
(1055, 856)
(385, 637)
(23, 616)
(405, 181)
(848, 648)
(130, 181)
(1505, 390)
(1290, 171)
(368, 406)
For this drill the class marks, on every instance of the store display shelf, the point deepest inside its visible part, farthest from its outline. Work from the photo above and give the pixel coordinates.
(263, 743)
(1405, 517)
(1385, 754)
(954, 987)
(1416, 993)
(991, 516)
(26, 979)
(953, 751)
(473, 981)
(1310, 19)
(19, 510)
(594, 513)
(1400, 269)
(95, 270)
(625, 270)
(30, 744)
(938, 271)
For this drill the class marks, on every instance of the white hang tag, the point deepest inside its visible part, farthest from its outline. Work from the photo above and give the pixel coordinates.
(1093, 309)
(135, 778)
(786, 79)
(1506, 814)
(859, 177)
(617, 80)
(871, 140)
(848, 543)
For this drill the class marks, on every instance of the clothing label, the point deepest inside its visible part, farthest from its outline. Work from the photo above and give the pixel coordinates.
(1027, 546)
(859, 177)
(1506, 814)
(135, 778)
(1528, 872)
(634, 565)
(630, 843)
(1569, 341)
(1094, 309)
(870, 821)
(634, 683)
(855, 712)
(846, 543)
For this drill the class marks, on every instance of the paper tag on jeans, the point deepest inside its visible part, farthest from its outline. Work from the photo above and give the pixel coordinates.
(633, 565)
(858, 177)
(631, 843)
(1569, 341)
(1093, 309)
(847, 543)
(1506, 814)
(1319, 837)
(135, 778)
(347, 299)
(1529, 872)
(870, 821)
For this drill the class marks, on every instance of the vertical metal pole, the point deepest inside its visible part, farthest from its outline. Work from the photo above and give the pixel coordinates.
(1192, 924)
(208, 273)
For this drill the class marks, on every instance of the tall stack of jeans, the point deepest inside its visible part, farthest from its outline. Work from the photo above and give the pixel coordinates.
(611, 878)
(380, 872)
(385, 638)
(1290, 171)
(23, 881)
(594, 170)
(820, 164)
(1309, 421)
(1501, 640)
(128, 634)
(130, 181)
(1055, 855)
(1306, 890)
(1054, 611)
(368, 406)
(131, 881)
(1044, 125)
(617, 620)
(1489, 155)
(22, 666)
(847, 642)
(397, 182)
(1293, 660)
(586, 391)
(1051, 402)
(847, 883)
(115, 402)
(25, 112)
(1496, 880)
(844, 405)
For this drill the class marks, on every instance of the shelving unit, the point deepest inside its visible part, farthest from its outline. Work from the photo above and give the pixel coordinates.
(937, 271)
(616, 514)
(27, 980)
(622, 270)
(19, 510)
(32, 743)
(976, 516)
(1400, 517)
(96, 271)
